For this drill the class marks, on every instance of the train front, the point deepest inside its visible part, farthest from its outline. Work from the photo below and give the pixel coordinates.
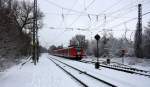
(80, 53)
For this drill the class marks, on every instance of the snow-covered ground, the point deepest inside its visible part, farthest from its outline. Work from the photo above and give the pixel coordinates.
(121, 79)
(47, 74)
(44, 74)
(139, 63)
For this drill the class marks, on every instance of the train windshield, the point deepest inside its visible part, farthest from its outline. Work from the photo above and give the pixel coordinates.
(78, 49)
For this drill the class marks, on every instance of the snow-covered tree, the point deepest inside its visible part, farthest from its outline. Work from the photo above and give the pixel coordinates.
(138, 42)
(79, 40)
(146, 41)
(110, 46)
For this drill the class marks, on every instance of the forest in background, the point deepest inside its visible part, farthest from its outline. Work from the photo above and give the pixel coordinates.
(110, 47)
(16, 31)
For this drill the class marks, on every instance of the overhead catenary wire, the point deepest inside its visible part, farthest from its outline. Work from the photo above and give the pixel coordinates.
(81, 13)
(59, 6)
(126, 7)
(78, 15)
(86, 7)
(76, 11)
(86, 14)
(80, 29)
(113, 18)
(96, 15)
(113, 5)
(69, 9)
(89, 15)
(110, 27)
(127, 21)
(119, 16)
(63, 21)
(102, 13)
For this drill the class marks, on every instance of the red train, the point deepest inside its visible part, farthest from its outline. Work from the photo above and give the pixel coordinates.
(76, 53)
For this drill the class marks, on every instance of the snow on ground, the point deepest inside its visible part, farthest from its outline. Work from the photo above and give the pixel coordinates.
(47, 74)
(139, 63)
(121, 79)
(84, 78)
(44, 74)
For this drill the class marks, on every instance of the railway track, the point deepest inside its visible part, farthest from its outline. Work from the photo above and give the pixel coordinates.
(122, 68)
(80, 76)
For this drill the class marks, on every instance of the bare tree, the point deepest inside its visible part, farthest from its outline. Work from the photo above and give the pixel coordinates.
(110, 46)
(0, 3)
(3, 3)
(79, 40)
(52, 48)
(23, 11)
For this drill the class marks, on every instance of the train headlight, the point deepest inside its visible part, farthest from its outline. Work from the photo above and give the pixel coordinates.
(78, 53)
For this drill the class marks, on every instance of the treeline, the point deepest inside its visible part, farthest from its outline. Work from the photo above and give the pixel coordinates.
(109, 46)
(16, 23)
(146, 41)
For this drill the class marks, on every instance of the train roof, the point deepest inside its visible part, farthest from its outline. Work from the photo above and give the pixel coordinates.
(66, 48)
(63, 48)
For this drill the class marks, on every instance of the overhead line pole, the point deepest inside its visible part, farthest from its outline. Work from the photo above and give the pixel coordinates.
(35, 52)
(37, 40)
(138, 34)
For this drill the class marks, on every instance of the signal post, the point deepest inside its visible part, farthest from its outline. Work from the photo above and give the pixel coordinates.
(97, 37)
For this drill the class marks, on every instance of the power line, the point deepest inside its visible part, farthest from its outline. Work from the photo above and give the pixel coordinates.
(89, 4)
(78, 16)
(74, 14)
(68, 11)
(118, 16)
(102, 13)
(113, 5)
(114, 11)
(84, 29)
(84, 13)
(58, 36)
(128, 21)
(126, 8)
(80, 29)
(81, 13)
(59, 6)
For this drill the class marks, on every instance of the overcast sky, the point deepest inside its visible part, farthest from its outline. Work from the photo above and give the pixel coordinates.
(66, 18)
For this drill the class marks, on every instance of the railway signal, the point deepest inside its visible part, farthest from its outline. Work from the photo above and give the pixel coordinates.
(97, 37)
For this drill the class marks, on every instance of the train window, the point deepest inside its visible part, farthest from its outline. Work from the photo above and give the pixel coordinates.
(78, 49)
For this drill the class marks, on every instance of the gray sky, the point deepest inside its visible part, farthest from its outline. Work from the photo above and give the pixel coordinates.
(66, 18)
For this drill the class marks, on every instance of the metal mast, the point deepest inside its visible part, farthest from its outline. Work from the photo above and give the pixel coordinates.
(138, 34)
(140, 18)
(35, 51)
